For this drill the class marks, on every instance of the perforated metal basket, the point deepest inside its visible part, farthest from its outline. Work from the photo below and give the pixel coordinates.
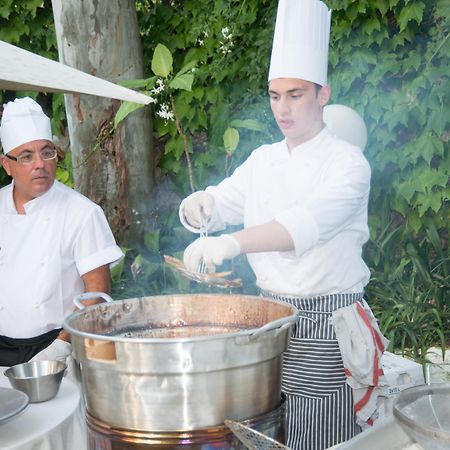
(252, 439)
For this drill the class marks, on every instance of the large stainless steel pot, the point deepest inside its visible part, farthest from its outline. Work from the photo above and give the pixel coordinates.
(180, 362)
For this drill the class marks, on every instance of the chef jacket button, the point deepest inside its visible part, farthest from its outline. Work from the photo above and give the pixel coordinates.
(263, 278)
(36, 305)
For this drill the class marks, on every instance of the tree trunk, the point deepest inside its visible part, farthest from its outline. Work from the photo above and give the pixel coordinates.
(114, 168)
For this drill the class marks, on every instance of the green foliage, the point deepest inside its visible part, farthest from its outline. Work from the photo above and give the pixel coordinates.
(410, 289)
(223, 49)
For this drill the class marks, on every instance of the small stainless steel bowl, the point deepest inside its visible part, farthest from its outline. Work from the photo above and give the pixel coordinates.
(40, 380)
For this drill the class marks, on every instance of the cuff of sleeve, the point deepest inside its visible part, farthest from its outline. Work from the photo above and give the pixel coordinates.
(183, 219)
(108, 255)
(214, 224)
(302, 227)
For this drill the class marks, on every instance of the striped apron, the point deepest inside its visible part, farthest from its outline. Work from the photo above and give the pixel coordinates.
(319, 402)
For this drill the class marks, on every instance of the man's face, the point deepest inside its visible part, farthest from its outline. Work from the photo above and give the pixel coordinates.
(34, 179)
(297, 108)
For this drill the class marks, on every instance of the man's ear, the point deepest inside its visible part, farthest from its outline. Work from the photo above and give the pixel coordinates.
(5, 164)
(324, 94)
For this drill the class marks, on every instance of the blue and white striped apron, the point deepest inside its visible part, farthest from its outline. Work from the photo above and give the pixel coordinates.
(319, 402)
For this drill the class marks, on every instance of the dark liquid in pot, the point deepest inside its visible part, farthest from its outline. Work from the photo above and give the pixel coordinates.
(176, 332)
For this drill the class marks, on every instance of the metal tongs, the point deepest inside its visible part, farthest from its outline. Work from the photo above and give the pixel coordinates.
(203, 233)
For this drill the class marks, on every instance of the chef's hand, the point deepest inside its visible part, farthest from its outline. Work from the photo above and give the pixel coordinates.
(198, 208)
(58, 349)
(212, 251)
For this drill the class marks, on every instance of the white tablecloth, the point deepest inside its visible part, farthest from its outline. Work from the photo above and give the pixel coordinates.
(57, 424)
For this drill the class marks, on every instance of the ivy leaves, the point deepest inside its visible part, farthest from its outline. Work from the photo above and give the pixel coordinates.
(412, 11)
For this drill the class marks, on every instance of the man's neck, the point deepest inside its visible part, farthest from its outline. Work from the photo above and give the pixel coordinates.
(295, 142)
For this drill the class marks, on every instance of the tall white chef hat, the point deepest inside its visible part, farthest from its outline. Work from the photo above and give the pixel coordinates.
(300, 42)
(23, 121)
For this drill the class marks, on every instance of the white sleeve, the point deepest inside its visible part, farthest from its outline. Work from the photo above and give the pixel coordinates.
(95, 245)
(335, 205)
(230, 195)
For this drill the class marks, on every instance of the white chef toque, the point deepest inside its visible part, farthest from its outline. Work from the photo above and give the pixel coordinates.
(300, 42)
(23, 121)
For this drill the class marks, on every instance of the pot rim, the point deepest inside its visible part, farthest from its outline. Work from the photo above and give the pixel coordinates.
(245, 335)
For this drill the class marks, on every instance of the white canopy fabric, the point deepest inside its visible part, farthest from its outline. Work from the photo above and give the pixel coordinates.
(22, 70)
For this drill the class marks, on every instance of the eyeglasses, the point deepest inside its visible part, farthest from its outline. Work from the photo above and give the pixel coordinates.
(25, 158)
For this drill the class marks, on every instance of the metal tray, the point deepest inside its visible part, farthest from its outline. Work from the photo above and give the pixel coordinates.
(12, 402)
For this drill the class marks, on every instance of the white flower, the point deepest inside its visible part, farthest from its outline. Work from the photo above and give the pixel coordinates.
(160, 88)
(164, 113)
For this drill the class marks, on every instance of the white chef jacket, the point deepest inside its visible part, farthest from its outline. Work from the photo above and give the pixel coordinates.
(319, 192)
(43, 255)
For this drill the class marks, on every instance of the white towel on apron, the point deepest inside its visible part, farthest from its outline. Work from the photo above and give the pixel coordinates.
(362, 345)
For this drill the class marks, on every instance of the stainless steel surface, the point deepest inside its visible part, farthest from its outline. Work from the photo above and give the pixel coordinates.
(253, 439)
(188, 379)
(39, 380)
(424, 413)
(12, 402)
(102, 436)
(384, 435)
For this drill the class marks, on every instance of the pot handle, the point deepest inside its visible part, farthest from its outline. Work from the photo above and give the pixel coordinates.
(282, 324)
(90, 296)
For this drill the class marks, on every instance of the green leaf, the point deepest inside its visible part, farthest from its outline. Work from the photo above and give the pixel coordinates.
(182, 82)
(370, 25)
(5, 8)
(231, 139)
(188, 67)
(151, 240)
(125, 109)
(411, 11)
(162, 61)
(248, 124)
(381, 5)
(117, 268)
(407, 190)
(147, 83)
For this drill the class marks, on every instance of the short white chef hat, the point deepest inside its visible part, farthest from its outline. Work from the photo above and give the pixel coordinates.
(23, 121)
(300, 42)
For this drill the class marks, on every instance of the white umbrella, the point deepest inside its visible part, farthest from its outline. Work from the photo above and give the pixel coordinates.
(23, 70)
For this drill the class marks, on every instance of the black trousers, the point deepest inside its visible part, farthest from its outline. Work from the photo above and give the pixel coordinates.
(17, 351)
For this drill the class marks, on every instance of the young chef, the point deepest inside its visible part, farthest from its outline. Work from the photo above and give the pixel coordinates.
(54, 242)
(303, 205)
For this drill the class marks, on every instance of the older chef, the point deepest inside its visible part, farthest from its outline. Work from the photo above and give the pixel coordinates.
(303, 205)
(54, 242)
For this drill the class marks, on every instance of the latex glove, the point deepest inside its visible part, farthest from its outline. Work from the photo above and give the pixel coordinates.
(58, 349)
(196, 207)
(212, 251)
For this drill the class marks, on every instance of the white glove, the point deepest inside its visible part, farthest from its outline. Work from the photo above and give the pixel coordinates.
(57, 350)
(212, 251)
(197, 209)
